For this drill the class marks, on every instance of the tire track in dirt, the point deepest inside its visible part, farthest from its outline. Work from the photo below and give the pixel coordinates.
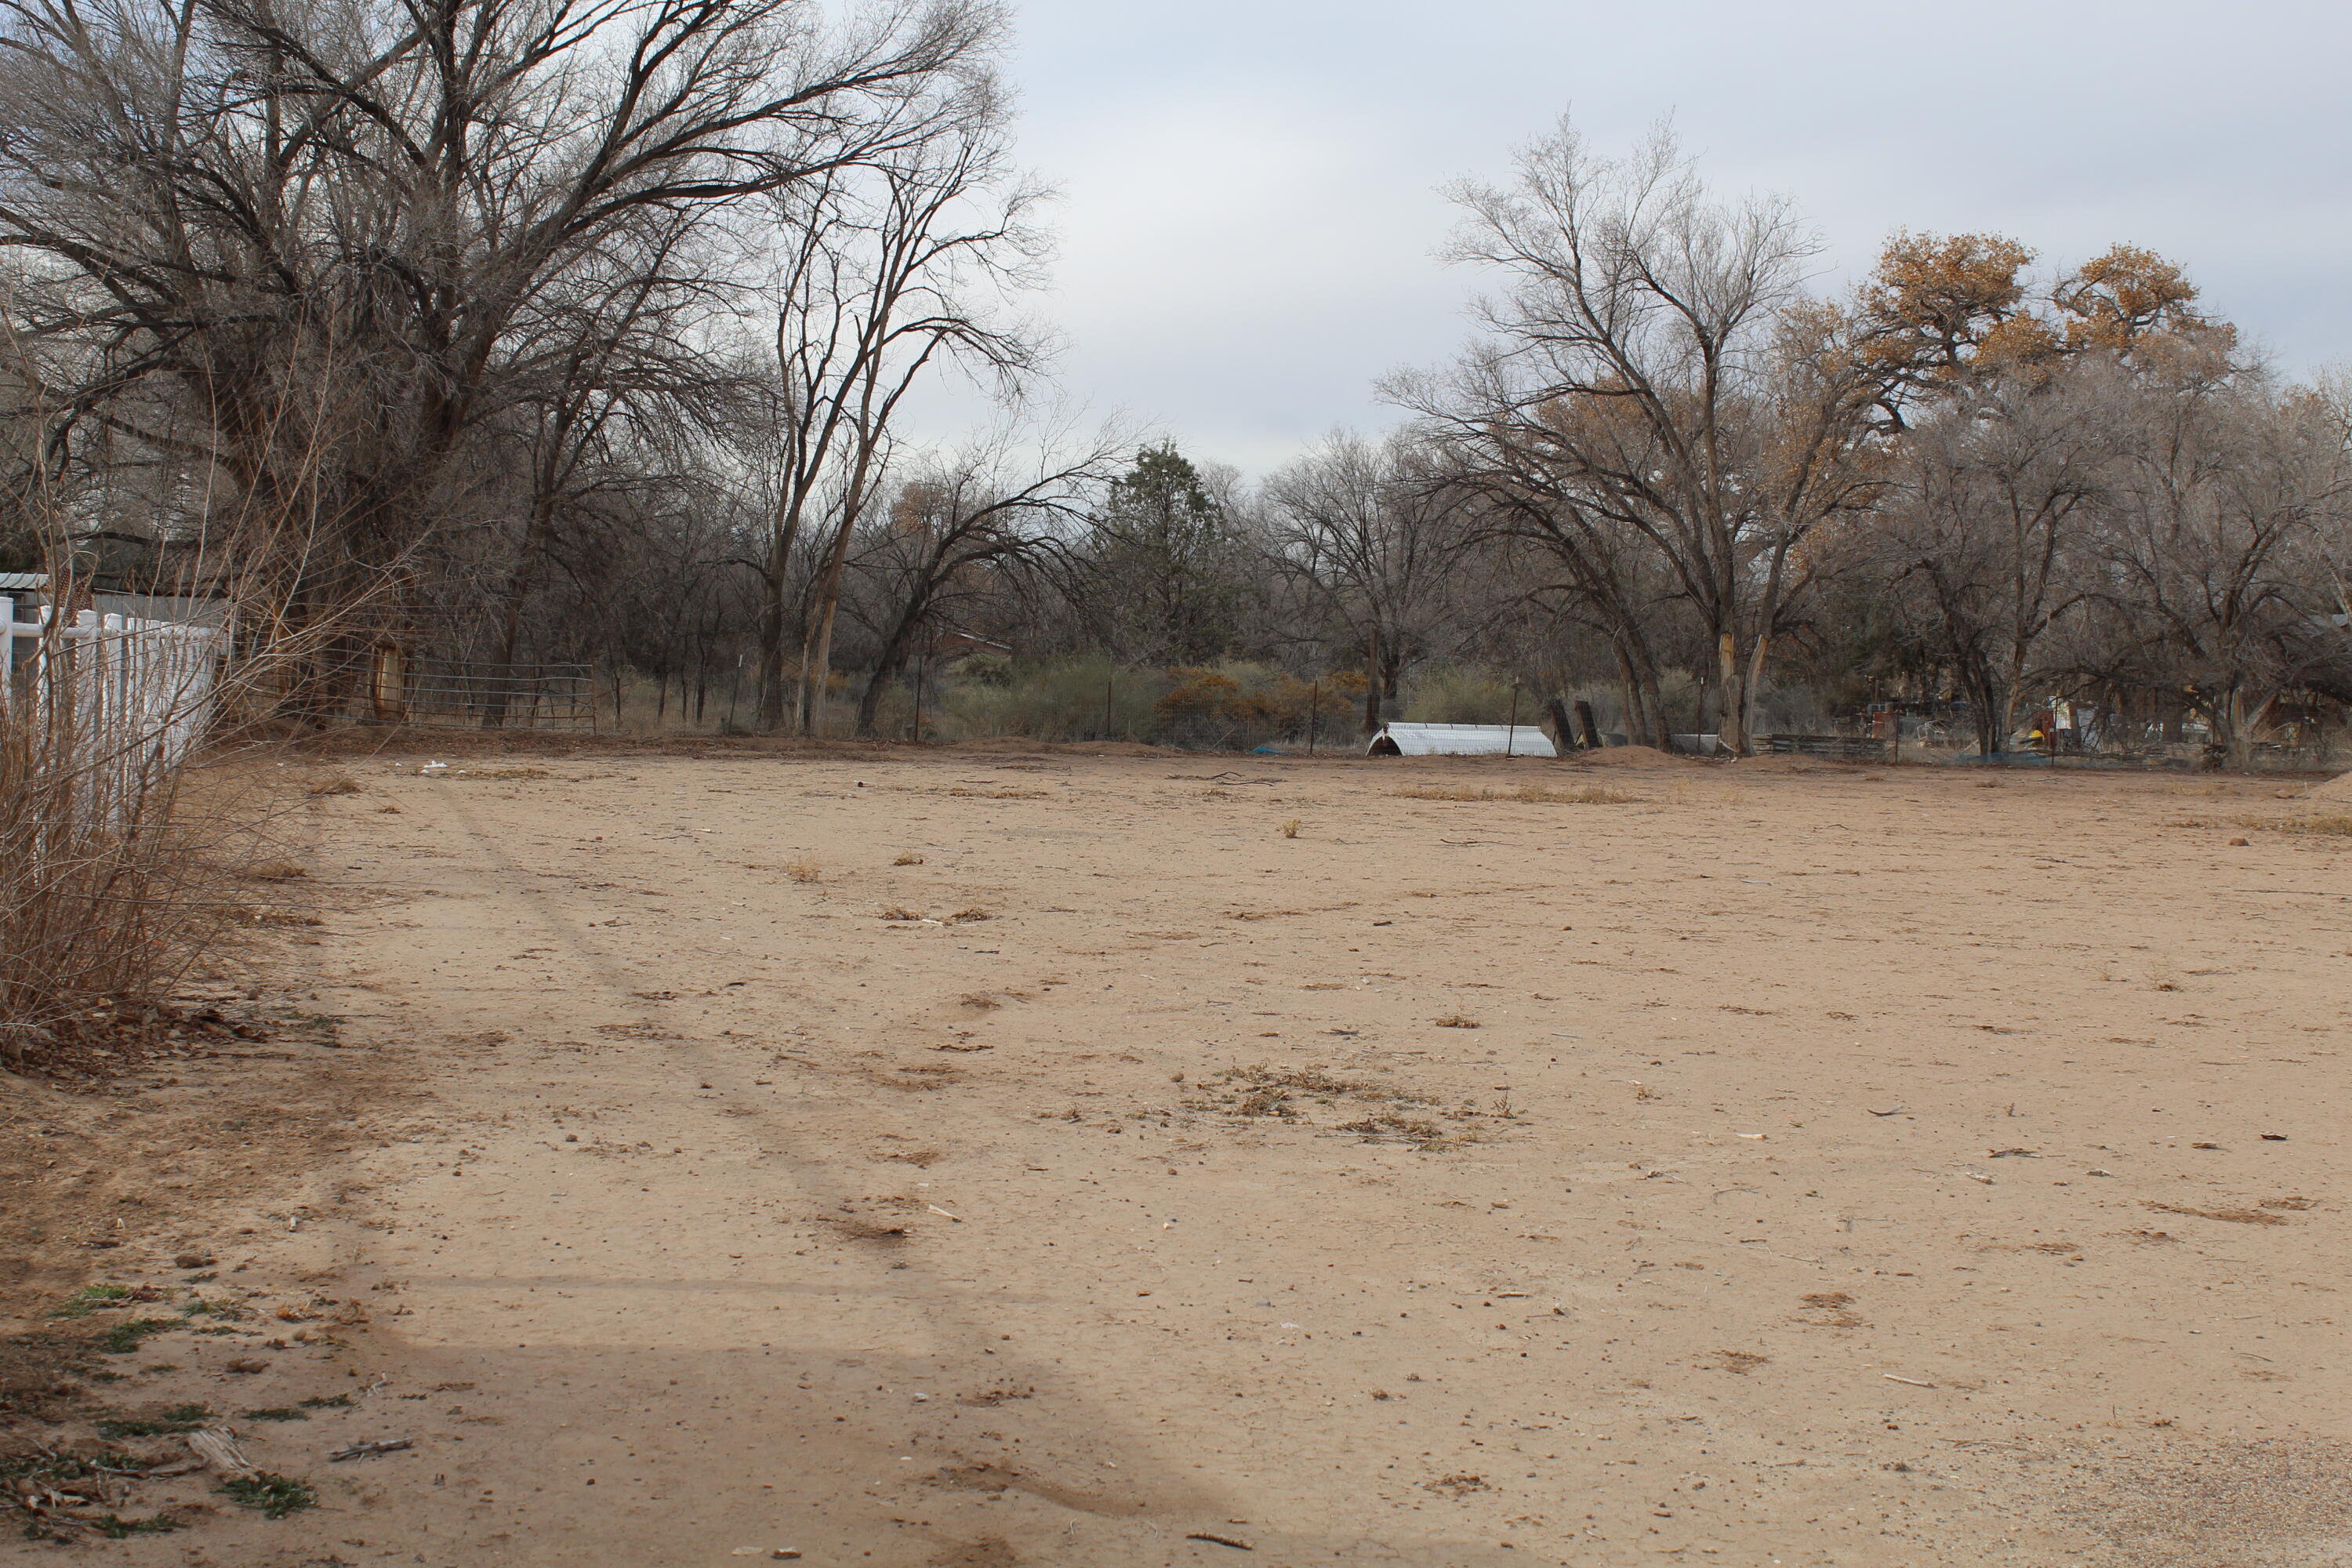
(698, 1095)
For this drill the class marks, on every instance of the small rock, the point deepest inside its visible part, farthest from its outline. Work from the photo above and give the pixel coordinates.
(248, 1366)
(193, 1260)
(2238, 844)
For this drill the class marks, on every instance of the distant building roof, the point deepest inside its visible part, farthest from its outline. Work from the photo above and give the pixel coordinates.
(1460, 741)
(23, 582)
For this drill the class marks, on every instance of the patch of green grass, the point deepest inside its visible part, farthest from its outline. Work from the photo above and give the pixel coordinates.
(179, 1418)
(279, 1414)
(329, 1402)
(124, 1337)
(58, 1470)
(115, 1527)
(93, 1298)
(276, 1496)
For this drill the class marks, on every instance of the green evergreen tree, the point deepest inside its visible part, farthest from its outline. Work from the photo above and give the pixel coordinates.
(1166, 582)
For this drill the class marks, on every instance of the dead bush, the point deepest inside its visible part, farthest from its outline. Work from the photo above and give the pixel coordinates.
(122, 866)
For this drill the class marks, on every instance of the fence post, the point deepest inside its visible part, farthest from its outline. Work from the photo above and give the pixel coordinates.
(921, 661)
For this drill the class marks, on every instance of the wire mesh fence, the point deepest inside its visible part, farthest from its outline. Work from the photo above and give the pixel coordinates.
(451, 694)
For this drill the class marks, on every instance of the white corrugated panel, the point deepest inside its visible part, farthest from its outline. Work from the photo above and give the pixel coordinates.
(1460, 740)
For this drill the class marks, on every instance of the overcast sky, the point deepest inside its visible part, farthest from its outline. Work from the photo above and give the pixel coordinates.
(1250, 215)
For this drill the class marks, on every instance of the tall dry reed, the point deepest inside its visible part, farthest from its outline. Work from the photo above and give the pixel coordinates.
(107, 890)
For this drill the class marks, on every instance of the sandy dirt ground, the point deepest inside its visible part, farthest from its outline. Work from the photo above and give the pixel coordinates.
(994, 1158)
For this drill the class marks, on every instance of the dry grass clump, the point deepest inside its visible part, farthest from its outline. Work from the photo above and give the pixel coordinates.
(2333, 826)
(120, 871)
(332, 784)
(1388, 1124)
(1262, 1090)
(1458, 1485)
(2234, 1216)
(1525, 795)
(1456, 1021)
(907, 858)
(900, 912)
(804, 871)
(1290, 828)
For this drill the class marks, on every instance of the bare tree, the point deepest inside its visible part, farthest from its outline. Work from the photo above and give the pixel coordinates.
(343, 235)
(1368, 527)
(967, 528)
(892, 269)
(2210, 554)
(1644, 356)
(1981, 519)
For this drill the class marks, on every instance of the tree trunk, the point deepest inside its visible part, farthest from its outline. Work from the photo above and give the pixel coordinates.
(1992, 711)
(772, 649)
(1731, 672)
(1750, 719)
(890, 662)
(1645, 710)
(816, 660)
(2244, 720)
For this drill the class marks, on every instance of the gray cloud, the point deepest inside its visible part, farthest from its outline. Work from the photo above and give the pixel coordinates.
(1251, 217)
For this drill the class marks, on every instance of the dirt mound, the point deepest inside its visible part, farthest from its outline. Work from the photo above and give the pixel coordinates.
(2338, 788)
(1632, 757)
